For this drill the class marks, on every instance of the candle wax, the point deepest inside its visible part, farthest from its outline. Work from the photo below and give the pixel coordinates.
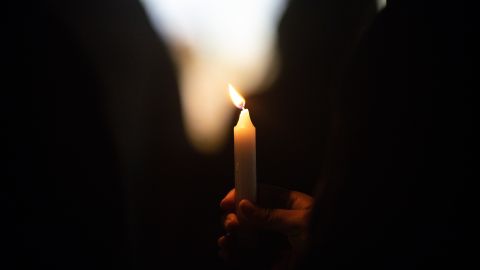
(245, 159)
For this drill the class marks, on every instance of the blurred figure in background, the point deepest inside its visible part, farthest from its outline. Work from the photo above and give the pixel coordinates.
(105, 176)
(391, 191)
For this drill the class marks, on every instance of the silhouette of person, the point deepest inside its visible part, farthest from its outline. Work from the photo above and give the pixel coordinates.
(390, 195)
(106, 177)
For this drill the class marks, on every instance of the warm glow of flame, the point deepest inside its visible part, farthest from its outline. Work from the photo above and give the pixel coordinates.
(237, 99)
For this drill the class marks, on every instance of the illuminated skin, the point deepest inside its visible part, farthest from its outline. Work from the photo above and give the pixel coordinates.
(287, 212)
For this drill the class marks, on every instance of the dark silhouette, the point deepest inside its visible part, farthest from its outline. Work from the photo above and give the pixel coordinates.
(105, 176)
(316, 38)
(400, 152)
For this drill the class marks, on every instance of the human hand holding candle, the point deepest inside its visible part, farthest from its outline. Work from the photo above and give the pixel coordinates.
(279, 212)
(287, 212)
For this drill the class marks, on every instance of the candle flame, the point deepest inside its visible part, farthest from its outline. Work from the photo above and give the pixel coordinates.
(237, 99)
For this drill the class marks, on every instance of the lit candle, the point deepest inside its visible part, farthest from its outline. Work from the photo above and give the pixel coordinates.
(245, 152)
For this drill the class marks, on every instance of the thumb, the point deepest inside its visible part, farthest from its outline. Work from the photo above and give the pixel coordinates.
(280, 220)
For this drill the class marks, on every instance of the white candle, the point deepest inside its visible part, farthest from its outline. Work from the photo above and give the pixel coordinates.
(245, 152)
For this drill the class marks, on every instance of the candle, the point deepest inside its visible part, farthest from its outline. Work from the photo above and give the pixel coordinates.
(245, 152)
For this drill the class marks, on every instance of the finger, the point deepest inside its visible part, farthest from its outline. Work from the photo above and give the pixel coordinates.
(226, 245)
(288, 222)
(226, 241)
(228, 203)
(222, 242)
(299, 200)
(276, 197)
(231, 222)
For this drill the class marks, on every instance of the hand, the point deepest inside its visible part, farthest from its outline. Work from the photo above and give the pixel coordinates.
(282, 211)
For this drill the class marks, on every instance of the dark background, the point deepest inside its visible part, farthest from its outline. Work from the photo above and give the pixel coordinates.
(104, 177)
